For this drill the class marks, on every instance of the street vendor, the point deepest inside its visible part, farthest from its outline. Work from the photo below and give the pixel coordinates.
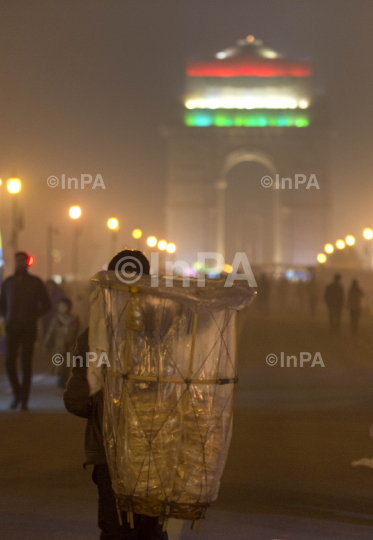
(79, 401)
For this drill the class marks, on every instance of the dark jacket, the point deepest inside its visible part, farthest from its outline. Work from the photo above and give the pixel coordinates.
(78, 401)
(23, 299)
(334, 296)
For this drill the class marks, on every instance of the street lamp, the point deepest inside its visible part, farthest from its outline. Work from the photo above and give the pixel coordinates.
(328, 248)
(151, 241)
(340, 244)
(368, 233)
(350, 240)
(162, 245)
(321, 258)
(14, 186)
(75, 212)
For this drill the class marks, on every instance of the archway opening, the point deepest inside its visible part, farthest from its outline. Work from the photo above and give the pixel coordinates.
(249, 219)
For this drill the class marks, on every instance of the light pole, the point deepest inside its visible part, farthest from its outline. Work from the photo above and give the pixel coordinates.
(50, 232)
(14, 186)
(162, 245)
(113, 225)
(368, 235)
(75, 212)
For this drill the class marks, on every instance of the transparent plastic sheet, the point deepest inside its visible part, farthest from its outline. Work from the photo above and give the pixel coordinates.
(169, 393)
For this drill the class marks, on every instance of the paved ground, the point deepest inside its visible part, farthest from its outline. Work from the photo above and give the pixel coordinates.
(289, 473)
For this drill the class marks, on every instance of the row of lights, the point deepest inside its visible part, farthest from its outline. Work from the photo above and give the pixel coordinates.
(341, 244)
(247, 103)
(113, 224)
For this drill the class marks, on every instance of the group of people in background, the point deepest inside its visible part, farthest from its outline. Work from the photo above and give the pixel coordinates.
(24, 299)
(306, 296)
(335, 301)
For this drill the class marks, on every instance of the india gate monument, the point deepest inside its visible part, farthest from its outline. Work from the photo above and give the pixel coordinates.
(249, 117)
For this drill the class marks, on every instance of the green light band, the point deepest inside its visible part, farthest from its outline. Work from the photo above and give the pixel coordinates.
(234, 118)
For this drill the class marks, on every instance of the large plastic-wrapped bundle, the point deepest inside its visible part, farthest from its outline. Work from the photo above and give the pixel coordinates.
(169, 389)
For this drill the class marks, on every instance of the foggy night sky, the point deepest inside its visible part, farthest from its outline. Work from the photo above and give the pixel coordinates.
(86, 85)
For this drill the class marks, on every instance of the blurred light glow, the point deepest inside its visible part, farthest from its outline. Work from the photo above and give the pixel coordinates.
(75, 212)
(162, 245)
(137, 233)
(227, 268)
(30, 260)
(222, 118)
(368, 233)
(250, 38)
(113, 223)
(329, 248)
(350, 240)
(151, 241)
(14, 185)
(247, 102)
(171, 248)
(340, 244)
(321, 258)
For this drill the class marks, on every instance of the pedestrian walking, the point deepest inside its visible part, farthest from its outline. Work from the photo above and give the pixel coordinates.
(63, 332)
(78, 401)
(334, 298)
(23, 299)
(354, 298)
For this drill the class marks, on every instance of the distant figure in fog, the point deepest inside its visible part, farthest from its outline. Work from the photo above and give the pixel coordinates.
(334, 298)
(313, 294)
(55, 293)
(63, 332)
(23, 299)
(355, 295)
(264, 293)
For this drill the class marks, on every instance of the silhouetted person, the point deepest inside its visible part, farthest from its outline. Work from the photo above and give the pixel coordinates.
(355, 294)
(56, 294)
(23, 299)
(63, 332)
(334, 298)
(78, 401)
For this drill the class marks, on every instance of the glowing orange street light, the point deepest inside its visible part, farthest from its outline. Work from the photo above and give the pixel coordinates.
(75, 212)
(113, 224)
(350, 240)
(162, 245)
(14, 185)
(151, 241)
